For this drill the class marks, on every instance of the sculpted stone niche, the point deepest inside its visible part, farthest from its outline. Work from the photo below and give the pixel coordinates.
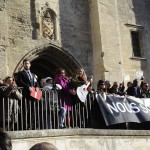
(2, 5)
(47, 22)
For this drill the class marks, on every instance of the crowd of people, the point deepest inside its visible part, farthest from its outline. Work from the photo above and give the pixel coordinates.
(67, 96)
(132, 88)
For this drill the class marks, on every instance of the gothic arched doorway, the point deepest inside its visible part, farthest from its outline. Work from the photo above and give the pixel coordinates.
(47, 59)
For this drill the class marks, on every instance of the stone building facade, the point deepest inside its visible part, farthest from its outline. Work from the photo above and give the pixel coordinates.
(94, 34)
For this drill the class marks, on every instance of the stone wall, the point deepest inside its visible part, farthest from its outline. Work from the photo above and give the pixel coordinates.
(20, 32)
(112, 47)
(83, 139)
(111, 55)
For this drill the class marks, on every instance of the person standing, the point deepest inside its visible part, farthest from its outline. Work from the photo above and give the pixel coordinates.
(80, 79)
(145, 91)
(12, 97)
(134, 90)
(27, 80)
(65, 95)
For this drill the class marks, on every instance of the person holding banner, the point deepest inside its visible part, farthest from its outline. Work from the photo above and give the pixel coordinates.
(145, 92)
(115, 89)
(101, 88)
(108, 86)
(134, 90)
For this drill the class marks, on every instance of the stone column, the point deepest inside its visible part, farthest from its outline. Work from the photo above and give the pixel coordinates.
(98, 54)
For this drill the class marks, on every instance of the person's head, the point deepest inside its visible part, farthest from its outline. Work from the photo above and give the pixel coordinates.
(48, 80)
(116, 85)
(42, 81)
(43, 146)
(101, 85)
(61, 72)
(26, 64)
(9, 81)
(135, 82)
(5, 141)
(145, 86)
(108, 84)
(80, 72)
(129, 84)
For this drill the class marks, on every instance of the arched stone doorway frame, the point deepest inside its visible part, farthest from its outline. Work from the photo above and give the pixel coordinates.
(52, 54)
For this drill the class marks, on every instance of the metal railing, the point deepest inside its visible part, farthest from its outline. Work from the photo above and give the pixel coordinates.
(48, 113)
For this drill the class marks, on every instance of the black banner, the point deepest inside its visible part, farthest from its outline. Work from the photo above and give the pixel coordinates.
(117, 109)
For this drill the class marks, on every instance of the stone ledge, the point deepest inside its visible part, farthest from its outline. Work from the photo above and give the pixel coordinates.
(138, 58)
(75, 132)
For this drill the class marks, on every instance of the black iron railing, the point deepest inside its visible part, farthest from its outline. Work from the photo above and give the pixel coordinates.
(20, 113)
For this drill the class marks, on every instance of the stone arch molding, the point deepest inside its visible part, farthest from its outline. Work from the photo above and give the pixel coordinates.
(53, 55)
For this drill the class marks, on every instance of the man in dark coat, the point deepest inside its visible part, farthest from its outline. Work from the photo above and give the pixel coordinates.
(134, 90)
(27, 80)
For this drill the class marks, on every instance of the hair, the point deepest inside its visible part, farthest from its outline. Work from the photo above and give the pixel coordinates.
(43, 146)
(116, 82)
(58, 71)
(99, 85)
(5, 141)
(25, 60)
(84, 76)
(6, 79)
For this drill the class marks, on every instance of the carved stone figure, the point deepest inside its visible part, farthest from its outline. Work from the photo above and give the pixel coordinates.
(47, 23)
(2, 5)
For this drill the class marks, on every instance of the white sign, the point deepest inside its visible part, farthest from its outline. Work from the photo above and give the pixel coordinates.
(138, 74)
(126, 78)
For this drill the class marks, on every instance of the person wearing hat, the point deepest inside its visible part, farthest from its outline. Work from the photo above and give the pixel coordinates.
(51, 96)
(49, 84)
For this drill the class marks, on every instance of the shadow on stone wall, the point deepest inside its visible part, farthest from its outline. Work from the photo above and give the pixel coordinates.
(141, 9)
(75, 30)
(34, 23)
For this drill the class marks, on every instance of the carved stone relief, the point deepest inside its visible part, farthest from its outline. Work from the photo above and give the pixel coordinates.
(47, 22)
(2, 5)
(2, 48)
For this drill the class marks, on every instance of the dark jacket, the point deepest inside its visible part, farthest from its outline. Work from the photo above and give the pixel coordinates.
(23, 81)
(131, 91)
(144, 94)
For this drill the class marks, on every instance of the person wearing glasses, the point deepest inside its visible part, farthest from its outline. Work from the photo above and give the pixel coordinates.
(115, 89)
(145, 91)
(101, 88)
